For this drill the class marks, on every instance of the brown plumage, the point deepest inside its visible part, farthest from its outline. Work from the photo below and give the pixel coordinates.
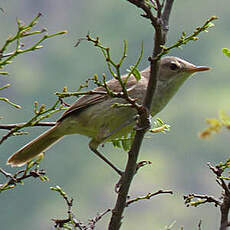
(95, 117)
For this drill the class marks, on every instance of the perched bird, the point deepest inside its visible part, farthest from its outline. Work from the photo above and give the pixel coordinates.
(96, 117)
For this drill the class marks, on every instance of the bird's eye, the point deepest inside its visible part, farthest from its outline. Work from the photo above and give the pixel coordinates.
(173, 66)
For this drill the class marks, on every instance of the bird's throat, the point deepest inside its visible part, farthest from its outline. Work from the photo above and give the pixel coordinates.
(165, 90)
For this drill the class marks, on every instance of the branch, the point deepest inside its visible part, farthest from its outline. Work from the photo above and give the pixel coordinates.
(161, 29)
(147, 10)
(192, 37)
(10, 102)
(218, 170)
(143, 122)
(18, 125)
(71, 222)
(114, 69)
(6, 99)
(40, 113)
(60, 223)
(23, 31)
(93, 221)
(224, 210)
(196, 200)
(224, 204)
(165, 17)
(31, 170)
(148, 196)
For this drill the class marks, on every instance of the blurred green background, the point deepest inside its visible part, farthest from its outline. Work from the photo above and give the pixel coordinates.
(179, 157)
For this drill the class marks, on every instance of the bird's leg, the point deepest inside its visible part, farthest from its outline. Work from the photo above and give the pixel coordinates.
(93, 147)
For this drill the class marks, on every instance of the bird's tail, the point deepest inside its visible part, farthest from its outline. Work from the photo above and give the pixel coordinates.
(35, 147)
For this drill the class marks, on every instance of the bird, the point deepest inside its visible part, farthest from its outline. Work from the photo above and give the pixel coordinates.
(95, 116)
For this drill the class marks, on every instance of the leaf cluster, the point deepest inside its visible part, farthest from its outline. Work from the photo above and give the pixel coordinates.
(215, 125)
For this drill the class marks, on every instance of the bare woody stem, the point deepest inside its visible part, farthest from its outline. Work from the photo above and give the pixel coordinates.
(160, 24)
(19, 125)
(224, 210)
(224, 203)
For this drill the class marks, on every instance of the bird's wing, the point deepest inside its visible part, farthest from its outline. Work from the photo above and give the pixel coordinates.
(83, 103)
(88, 100)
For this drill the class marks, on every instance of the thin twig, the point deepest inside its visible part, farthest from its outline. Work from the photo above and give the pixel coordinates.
(148, 196)
(224, 204)
(197, 199)
(93, 221)
(199, 225)
(72, 221)
(59, 223)
(148, 13)
(18, 125)
(21, 175)
(4, 137)
(40, 114)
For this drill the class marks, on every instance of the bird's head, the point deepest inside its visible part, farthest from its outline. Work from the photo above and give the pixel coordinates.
(172, 73)
(176, 69)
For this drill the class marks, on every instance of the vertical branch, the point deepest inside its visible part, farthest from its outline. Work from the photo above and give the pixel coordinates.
(159, 23)
(161, 29)
(130, 170)
(165, 17)
(224, 210)
(218, 170)
(225, 206)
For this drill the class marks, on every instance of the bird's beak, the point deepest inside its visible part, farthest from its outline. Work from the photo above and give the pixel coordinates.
(194, 69)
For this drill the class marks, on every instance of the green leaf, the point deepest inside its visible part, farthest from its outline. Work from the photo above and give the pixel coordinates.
(126, 144)
(135, 72)
(116, 143)
(224, 118)
(226, 51)
(228, 163)
(210, 24)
